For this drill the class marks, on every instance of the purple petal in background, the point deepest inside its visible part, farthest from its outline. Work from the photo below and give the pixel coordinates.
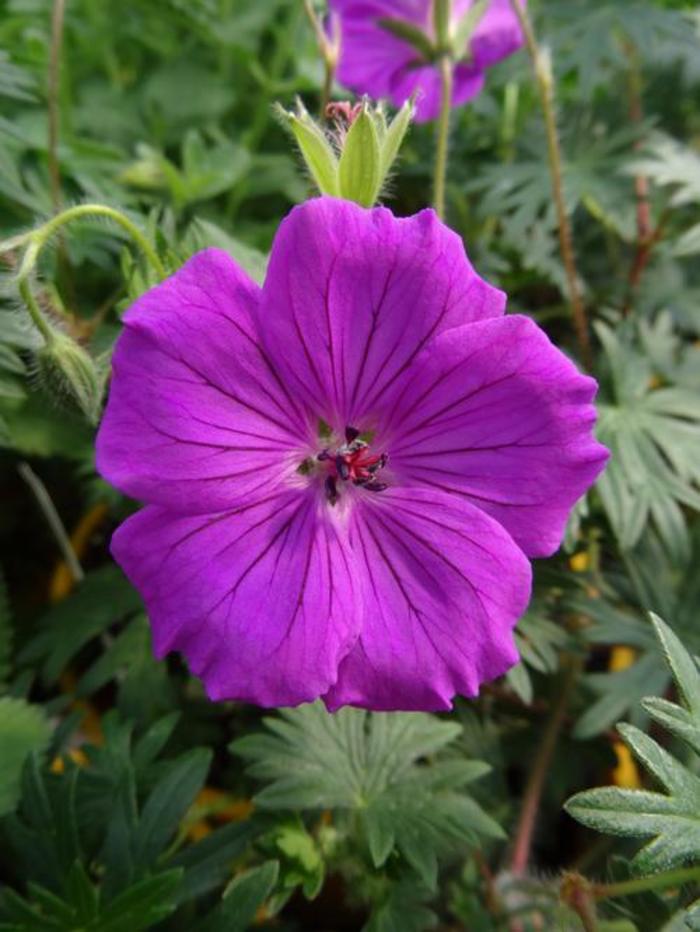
(376, 62)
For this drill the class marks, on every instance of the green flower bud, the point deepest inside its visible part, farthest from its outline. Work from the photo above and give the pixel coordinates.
(67, 372)
(354, 158)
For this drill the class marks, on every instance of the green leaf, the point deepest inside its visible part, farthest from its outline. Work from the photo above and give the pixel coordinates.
(672, 818)
(23, 730)
(656, 579)
(208, 863)
(404, 909)
(653, 435)
(360, 167)
(15, 82)
(125, 651)
(170, 798)
(141, 906)
(683, 667)
(372, 764)
(82, 895)
(242, 898)
(302, 861)
(102, 599)
(670, 163)
(540, 642)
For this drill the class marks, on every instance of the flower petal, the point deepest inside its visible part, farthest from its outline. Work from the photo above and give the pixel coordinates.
(197, 419)
(352, 296)
(259, 599)
(468, 81)
(376, 62)
(371, 55)
(498, 34)
(496, 413)
(446, 584)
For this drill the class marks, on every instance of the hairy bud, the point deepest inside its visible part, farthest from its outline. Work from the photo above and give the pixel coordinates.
(68, 373)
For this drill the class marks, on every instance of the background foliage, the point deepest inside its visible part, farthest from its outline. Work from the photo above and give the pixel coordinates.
(127, 801)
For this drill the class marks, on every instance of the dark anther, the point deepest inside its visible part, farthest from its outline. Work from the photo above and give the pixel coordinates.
(373, 486)
(342, 467)
(351, 433)
(380, 464)
(323, 455)
(331, 490)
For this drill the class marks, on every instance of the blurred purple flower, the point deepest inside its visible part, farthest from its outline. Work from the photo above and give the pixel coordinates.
(376, 61)
(345, 470)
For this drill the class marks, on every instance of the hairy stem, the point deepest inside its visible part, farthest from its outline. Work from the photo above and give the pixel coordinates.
(44, 233)
(443, 133)
(53, 520)
(662, 881)
(535, 784)
(27, 295)
(54, 94)
(37, 239)
(647, 237)
(545, 87)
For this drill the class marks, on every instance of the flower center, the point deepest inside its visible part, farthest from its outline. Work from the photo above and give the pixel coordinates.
(352, 462)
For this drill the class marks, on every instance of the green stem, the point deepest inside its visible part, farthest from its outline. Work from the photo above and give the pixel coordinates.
(44, 233)
(662, 881)
(443, 133)
(40, 237)
(24, 288)
(545, 87)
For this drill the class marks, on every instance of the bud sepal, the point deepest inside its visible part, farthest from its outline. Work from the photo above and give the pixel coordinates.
(352, 159)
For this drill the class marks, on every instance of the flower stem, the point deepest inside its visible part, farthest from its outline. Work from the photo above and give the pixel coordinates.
(54, 93)
(37, 239)
(443, 132)
(328, 48)
(662, 881)
(545, 86)
(535, 783)
(647, 237)
(44, 233)
(27, 295)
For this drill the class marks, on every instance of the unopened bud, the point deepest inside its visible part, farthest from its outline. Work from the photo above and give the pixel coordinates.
(354, 158)
(68, 373)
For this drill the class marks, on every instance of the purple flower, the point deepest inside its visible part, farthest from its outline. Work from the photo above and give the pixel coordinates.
(374, 60)
(345, 470)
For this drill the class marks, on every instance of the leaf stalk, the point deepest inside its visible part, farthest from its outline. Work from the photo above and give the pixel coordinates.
(545, 85)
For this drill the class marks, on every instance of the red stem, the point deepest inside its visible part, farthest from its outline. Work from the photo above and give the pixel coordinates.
(535, 784)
